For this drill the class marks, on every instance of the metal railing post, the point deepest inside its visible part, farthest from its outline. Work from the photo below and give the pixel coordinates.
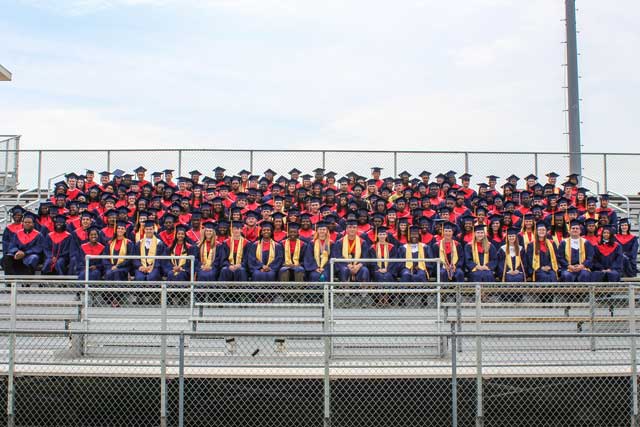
(535, 164)
(454, 380)
(163, 358)
(324, 160)
(251, 160)
(479, 395)
(327, 357)
(39, 173)
(592, 315)
(192, 296)
(181, 381)
(466, 162)
(395, 163)
(108, 160)
(604, 171)
(459, 314)
(634, 362)
(11, 390)
(179, 162)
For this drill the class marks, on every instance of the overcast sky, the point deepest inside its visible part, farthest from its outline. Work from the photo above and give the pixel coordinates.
(431, 74)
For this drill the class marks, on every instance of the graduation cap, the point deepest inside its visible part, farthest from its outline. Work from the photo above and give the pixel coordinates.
(270, 171)
(294, 171)
(293, 226)
(17, 209)
(140, 169)
(306, 177)
(167, 171)
(552, 175)
(60, 219)
(492, 177)
(604, 197)
(573, 176)
(195, 172)
(105, 173)
(330, 174)
(111, 212)
(71, 175)
(319, 224)
(181, 227)
(540, 224)
(61, 184)
(219, 169)
(590, 221)
(244, 172)
(465, 176)
(530, 176)
(592, 199)
(404, 174)
(575, 223)
(93, 227)
(451, 173)
(210, 226)
(376, 169)
(513, 177)
(478, 227)
(448, 225)
(118, 173)
(154, 174)
(318, 171)
(512, 231)
(424, 174)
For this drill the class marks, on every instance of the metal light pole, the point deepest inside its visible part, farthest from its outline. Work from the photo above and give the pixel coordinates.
(5, 75)
(573, 107)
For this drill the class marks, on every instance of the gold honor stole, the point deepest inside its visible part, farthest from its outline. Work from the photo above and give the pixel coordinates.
(122, 251)
(552, 256)
(272, 251)
(320, 253)
(236, 258)
(146, 262)
(288, 259)
(476, 257)
(443, 254)
(207, 256)
(508, 265)
(567, 251)
(346, 248)
(409, 257)
(179, 262)
(382, 251)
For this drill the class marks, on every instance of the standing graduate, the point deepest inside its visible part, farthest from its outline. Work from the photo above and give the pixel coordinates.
(414, 271)
(608, 258)
(26, 249)
(353, 247)
(542, 260)
(265, 256)
(575, 254)
(210, 255)
(293, 249)
(511, 259)
(629, 243)
(58, 245)
(317, 254)
(481, 257)
(149, 269)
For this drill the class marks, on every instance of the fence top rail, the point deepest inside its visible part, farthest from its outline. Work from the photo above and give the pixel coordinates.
(247, 150)
(190, 257)
(345, 260)
(236, 333)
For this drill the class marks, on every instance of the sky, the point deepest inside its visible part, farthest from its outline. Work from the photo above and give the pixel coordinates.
(415, 75)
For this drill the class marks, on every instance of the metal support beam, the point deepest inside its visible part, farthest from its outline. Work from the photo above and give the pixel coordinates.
(573, 107)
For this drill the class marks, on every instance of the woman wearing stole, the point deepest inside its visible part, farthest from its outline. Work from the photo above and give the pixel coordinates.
(210, 255)
(149, 269)
(317, 254)
(383, 271)
(117, 269)
(179, 270)
(451, 255)
(265, 256)
(480, 257)
(511, 259)
(234, 265)
(542, 260)
(414, 271)
(629, 244)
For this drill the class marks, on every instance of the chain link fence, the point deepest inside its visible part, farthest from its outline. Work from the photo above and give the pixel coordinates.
(605, 171)
(274, 354)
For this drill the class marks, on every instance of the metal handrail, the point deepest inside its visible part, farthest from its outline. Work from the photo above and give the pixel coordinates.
(49, 183)
(618, 208)
(22, 193)
(597, 183)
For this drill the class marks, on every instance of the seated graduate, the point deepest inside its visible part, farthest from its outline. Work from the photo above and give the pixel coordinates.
(118, 268)
(383, 271)
(353, 247)
(91, 247)
(481, 258)
(149, 269)
(511, 259)
(234, 266)
(542, 258)
(451, 255)
(179, 270)
(608, 258)
(293, 249)
(414, 271)
(629, 244)
(58, 244)
(317, 254)
(26, 249)
(17, 213)
(265, 256)
(575, 254)
(211, 255)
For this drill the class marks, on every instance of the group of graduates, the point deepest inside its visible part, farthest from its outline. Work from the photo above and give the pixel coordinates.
(263, 228)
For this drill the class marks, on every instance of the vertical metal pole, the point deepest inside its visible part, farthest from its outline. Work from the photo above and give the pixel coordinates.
(634, 361)
(179, 162)
(575, 148)
(592, 315)
(327, 355)
(441, 340)
(251, 160)
(108, 160)
(192, 302)
(11, 391)
(604, 171)
(181, 381)
(479, 397)
(454, 380)
(39, 173)
(395, 163)
(163, 358)
(466, 162)
(459, 314)
(324, 163)
(86, 291)
(535, 164)
(438, 271)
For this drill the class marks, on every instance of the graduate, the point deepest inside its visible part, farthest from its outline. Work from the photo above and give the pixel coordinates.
(629, 243)
(414, 271)
(265, 256)
(58, 246)
(608, 258)
(210, 255)
(481, 257)
(542, 260)
(91, 247)
(149, 269)
(383, 271)
(17, 213)
(179, 270)
(351, 246)
(293, 249)
(575, 254)
(511, 259)
(234, 267)
(317, 254)
(26, 249)
(117, 269)
(451, 255)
